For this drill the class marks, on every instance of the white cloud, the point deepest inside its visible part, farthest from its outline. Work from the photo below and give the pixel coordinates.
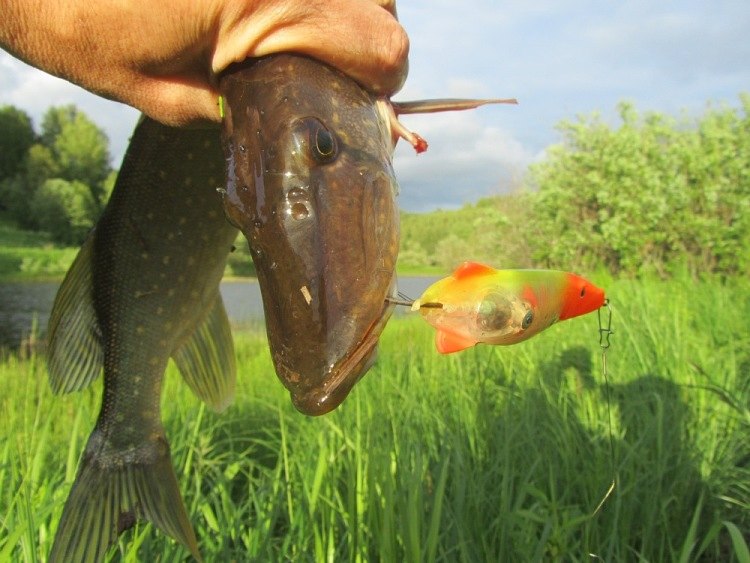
(467, 159)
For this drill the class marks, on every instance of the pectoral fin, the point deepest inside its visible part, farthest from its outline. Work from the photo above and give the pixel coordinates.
(75, 353)
(398, 130)
(448, 342)
(206, 360)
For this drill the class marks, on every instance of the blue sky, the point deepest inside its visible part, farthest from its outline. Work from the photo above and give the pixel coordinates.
(559, 58)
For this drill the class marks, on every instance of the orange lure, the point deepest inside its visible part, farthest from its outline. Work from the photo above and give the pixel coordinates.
(478, 303)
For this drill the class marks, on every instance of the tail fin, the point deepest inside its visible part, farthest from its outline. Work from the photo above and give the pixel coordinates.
(109, 495)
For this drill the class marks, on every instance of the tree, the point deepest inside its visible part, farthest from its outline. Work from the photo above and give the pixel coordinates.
(66, 210)
(80, 147)
(653, 194)
(16, 136)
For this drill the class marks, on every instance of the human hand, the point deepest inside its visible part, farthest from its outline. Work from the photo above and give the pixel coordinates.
(163, 57)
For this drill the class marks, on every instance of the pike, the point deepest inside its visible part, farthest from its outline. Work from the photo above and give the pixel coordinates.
(143, 288)
(311, 185)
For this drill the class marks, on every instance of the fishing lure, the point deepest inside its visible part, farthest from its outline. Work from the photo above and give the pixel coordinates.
(478, 303)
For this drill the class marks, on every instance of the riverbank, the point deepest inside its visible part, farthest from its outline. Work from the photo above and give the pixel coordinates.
(27, 256)
(31, 256)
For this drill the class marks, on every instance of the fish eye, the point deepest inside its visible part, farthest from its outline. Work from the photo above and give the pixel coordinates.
(527, 320)
(315, 140)
(325, 146)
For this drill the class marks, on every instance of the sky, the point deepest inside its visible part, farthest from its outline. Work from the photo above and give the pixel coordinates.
(559, 58)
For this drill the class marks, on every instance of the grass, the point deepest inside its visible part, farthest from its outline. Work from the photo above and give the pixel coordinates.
(27, 255)
(494, 454)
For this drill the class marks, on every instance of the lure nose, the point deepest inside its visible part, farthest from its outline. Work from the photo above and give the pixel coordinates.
(581, 297)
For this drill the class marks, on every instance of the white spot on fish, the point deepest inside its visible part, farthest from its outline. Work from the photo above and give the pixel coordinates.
(140, 329)
(165, 260)
(160, 310)
(306, 294)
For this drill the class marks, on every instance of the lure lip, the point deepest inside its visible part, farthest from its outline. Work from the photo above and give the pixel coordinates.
(343, 375)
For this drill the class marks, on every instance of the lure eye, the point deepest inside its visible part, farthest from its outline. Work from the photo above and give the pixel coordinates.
(527, 320)
(583, 291)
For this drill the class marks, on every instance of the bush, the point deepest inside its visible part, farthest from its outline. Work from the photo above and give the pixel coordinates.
(67, 210)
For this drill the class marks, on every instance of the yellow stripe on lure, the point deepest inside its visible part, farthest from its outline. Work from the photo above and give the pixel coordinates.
(478, 303)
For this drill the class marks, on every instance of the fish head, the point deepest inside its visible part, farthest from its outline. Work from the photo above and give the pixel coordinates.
(311, 186)
(580, 297)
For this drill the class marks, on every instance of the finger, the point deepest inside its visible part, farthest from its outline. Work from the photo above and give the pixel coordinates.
(358, 37)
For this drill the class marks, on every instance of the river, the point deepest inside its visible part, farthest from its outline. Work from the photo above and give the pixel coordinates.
(24, 305)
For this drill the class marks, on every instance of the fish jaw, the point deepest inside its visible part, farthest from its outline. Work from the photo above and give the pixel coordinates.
(339, 381)
(581, 297)
(311, 186)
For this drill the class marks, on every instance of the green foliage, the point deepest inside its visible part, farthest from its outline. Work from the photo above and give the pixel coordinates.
(650, 195)
(493, 454)
(16, 136)
(493, 230)
(66, 210)
(72, 153)
(80, 148)
(31, 255)
(240, 261)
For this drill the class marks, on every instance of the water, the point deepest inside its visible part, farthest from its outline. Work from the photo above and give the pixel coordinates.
(26, 303)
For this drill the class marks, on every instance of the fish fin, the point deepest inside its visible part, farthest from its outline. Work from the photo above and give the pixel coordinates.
(109, 495)
(470, 269)
(206, 359)
(448, 342)
(75, 353)
(445, 104)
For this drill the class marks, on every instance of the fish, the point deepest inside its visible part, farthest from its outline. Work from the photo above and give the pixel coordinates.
(479, 304)
(310, 183)
(143, 288)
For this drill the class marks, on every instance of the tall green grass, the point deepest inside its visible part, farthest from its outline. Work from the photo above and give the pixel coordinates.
(494, 454)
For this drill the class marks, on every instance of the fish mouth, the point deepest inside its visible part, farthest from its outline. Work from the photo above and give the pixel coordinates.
(343, 375)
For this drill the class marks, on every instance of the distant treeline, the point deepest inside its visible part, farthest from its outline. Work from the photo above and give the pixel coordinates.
(651, 195)
(57, 179)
